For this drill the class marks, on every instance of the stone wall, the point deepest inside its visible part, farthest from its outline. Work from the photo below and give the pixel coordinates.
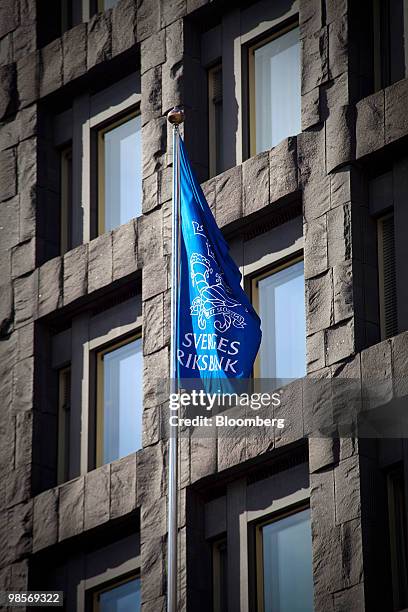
(323, 167)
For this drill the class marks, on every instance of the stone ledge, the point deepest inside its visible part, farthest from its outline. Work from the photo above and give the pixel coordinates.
(87, 502)
(381, 118)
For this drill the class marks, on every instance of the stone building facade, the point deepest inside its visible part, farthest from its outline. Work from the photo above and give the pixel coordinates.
(313, 193)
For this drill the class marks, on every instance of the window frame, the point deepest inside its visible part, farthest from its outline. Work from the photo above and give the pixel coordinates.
(99, 398)
(392, 472)
(381, 276)
(63, 453)
(109, 587)
(259, 573)
(101, 130)
(291, 260)
(216, 564)
(212, 138)
(278, 31)
(66, 198)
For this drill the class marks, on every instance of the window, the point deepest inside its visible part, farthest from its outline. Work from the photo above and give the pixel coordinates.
(119, 400)
(66, 200)
(278, 297)
(119, 168)
(398, 536)
(104, 5)
(284, 564)
(386, 276)
(122, 597)
(64, 416)
(274, 88)
(220, 576)
(390, 51)
(215, 125)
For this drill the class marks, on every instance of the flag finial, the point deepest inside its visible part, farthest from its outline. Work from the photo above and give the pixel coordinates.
(175, 116)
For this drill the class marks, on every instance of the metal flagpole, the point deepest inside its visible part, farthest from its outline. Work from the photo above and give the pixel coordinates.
(175, 117)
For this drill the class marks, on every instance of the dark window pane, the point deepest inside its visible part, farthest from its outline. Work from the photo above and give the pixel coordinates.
(123, 598)
(277, 90)
(122, 401)
(282, 310)
(287, 564)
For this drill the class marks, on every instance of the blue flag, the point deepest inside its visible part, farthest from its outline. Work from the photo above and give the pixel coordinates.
(219, 332)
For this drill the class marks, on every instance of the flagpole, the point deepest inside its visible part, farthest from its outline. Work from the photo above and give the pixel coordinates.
(175, 117)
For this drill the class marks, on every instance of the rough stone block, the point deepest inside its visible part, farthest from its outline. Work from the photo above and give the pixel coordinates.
(315, 352)
(23, 385)
(51, 67)
(71, 509)
(228, 196)
(399, 345)
(23, 258)
(50, 286)
(209, 191)
(148, 18)
(153, 51)
(123, 486)
(340, 342)
(339, 234)
(165, 185)
(124, 249)
(310, 17)
(343, 291)
(8, 174)
(313, 178)
(8, 89)
(151, 473)
(340, 142)
(155, 277)
(99, 39)
(25, 298)
(172, 85)
(24, 437)
(100, 262)
(154, 136)
(316, 70)
(149, 237)
(124, 25)
(150, 190)
(28, 82)
(323, 453)
(18, 485)
(255, 180)
(153, 331)
(172, 10)
(151, 426)
(376, 374)
(45, 523)
(347, 487)
(396, 120)
(74, 44)
(8, 17)
(370, 132)
(338, 46)
(319, 302)
(151, 104)
(153, 563)
(97, 497)
(75, 274)
(6, 309)
(316, 258)
(283, 169)
(203, 459)
(19, 527)
(350, 600)
(311, 108)
(155, 378)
